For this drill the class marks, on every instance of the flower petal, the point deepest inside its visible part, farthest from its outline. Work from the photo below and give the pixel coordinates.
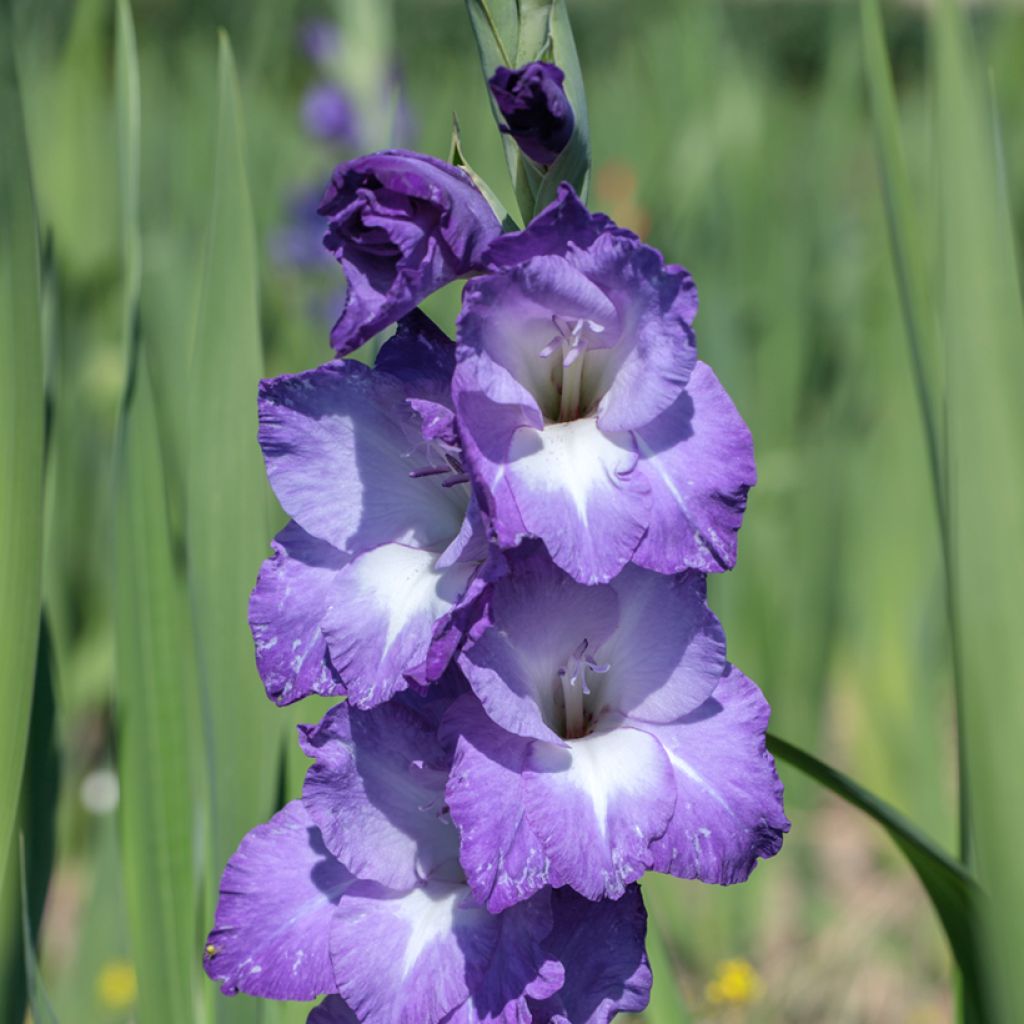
(333, 1010)
(292, 597)
(615, 788)
(668, 653)
(502, 856)
(339, 443)
(601, 945)
(433, 955)
(575, 488)
(729, 798)
(491, 405)
(376, 792)
(388, 604)
(698, 458)
(404, 958)
(278, 896)
(562, 224)
(647, 367)
(532, 814)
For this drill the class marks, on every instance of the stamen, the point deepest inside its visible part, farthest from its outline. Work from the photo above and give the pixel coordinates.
(452, 481)
(429, 471)
(575, 672)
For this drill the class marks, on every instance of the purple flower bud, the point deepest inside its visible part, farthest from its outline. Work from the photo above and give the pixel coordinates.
(536, 110)
(402, 225)
(327, 114)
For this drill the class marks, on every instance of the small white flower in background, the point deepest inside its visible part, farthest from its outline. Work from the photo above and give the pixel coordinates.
(100, 791)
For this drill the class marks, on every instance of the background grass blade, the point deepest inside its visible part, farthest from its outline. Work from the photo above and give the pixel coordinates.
(953, 892)
(667, 1005)
(39, 790)
(228, 531)
(905, 238)
(128, 103)
(983, 327)
(21, 439)
(157, 807)
(153, 659)
(42, 1009)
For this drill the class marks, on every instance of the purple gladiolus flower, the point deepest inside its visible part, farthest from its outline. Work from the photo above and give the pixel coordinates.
(328, 114)
(586, 418)
(536, 110)
(355, 892)
(402, 225)
(611, 707)
(385, 554)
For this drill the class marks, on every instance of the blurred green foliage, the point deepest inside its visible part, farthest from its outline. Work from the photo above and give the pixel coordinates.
(739, 138)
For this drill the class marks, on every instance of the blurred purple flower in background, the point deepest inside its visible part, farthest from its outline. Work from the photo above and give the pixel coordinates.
(327, 114)
(536, 110)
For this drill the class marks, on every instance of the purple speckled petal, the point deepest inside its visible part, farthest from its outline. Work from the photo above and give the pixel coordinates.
(418, 957)
(376, 792)
(339, 444)
(333, 1010)
(389, 605)
(403, 958)
(575, 488)
(668, 653)
(496, 405)
(729, 798)
(402, 225)
(541, 615)
(502, 856)
(532, 813)
(698, 457)
(278, 896)
(293, 594)
(601, 945)
(615, 787)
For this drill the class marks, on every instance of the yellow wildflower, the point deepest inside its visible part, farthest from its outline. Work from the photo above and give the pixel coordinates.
(735, 982)
(116, 986)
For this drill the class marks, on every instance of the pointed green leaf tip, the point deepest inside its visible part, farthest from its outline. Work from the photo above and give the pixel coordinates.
(21, 438)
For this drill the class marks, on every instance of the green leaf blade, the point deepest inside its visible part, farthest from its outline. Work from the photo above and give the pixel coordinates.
(983, 330)
(952, 890)
(226, 502)
(157, 808)
(21, 439)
